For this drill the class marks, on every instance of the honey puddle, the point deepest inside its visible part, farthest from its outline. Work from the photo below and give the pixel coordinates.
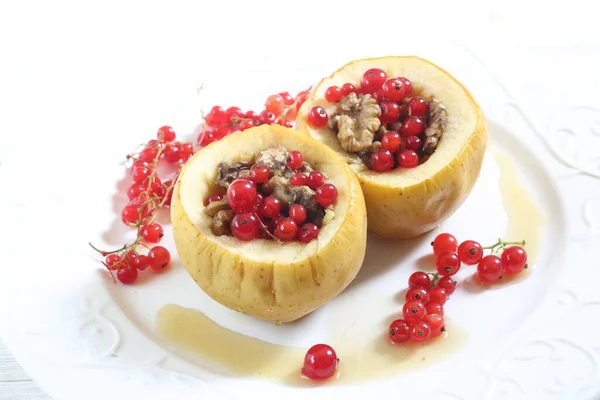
(364, 356)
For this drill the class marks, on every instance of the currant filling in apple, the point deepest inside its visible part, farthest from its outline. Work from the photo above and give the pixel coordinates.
(382, 122)
(278, 196)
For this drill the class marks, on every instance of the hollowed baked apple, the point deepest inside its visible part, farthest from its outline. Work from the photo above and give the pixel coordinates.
(269, 222)
(412, 133)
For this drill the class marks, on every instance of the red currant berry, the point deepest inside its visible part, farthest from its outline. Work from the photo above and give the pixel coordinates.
(216, 116)
(152, 233)
(390, 112)
(139, 163)
(446, 283)
(141, 262)
(447, 264)
(378, 96)
(394, 89)
(434, 308)
(408, 87)
(267, 117)
(417, 293)
(159, 258)
(260, 173)
(413, 126)
(139, 174)
(185, 151)
(127, 275)
(286, 230)
(420, 331)
(317, 117)
(241, 195)
(413, 310)
(135, 190)
(391, 141)
(295, 160)
(299, 179)
(129, 257)
(129, 214)
(233, 112)
(288, 100)
(419, 280)
(333, 94)
(414, 143)
(308, 232)
(408, 159)
(438, 295)
(326, 194)
(165, 134)
(348, 88)
(489, 269)
(301, 98)
(444, 243)
(270, 208)
(148, 155)
(372, 80)
(247, 124)
(514, 259)
(114, 262)
(315, 179)
(399, 331)
(436, 323)
(245, 226)
(470, 252)
(297, 212)
(213, 197)
(382, 160)
(275, 104)
(158, 189)
(320, 362)
(417, 107)
(172, 153)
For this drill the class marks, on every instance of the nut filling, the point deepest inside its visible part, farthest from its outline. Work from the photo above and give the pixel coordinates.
(277, 196)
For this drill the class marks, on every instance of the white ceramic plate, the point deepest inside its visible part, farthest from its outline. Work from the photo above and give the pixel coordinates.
(80, 336)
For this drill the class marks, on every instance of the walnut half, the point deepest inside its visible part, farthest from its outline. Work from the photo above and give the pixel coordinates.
(355, 121)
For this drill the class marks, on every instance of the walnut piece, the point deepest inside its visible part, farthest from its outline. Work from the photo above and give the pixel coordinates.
(221, 221)
(355, 121)
(437, 120)
(215, 207)
(276, 160)
(227, 173)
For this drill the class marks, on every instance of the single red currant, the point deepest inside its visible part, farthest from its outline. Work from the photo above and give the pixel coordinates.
(333, 94)
(391, 141)
(259, 173)
(286, 230)
(114, 262)
(288, 100)
(489, 269)
(159, 258)
(267, 117)
(348, 88)
(141, 262)
(417, 107)
(245, 226)
(275, 104)
(252, 115)
(241, 195)
(172, 152)
(372, 80)
(140, 174)
(295, 160)
(470, 252)
(414, 143)
(317, 117)
(315, 179)
(434, 308)
(326, 194)
(420, 331)
(297, 212)
(130, 214)
(390, 112)
(165, 134)
(232, 113)
(382, 160)
(185, 151)
(436, 323)
(152, 233)
(408, 159)
(444, 243)
(216, 116)
(127, 275)
(158, 189)
(320, 362)
(514, 259)
(299, 179)
(308, 232)
(394, 89)
(148, 155)
(413, 126)
(447, 264)
(438, 295)
(129, 257)
(446, 283)
(413, 310)
(135, 190)
(417, 293)
(408, 87)
(213, 197)
(399, 331)
(419, 280)
(247, 124)
(270, 208)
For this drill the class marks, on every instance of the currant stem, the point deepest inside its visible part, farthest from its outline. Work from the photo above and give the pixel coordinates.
(502, 244)
(105, 253)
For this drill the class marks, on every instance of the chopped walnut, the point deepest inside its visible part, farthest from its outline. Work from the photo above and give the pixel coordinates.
(227, 173)
(215, 207)
(437, 119)
(307, 168)
(276, 160)
(375, 146)
(355, 121)
(221, 221)
(379, 133)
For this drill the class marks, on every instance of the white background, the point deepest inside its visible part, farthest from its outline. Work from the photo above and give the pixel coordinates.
(55, 54)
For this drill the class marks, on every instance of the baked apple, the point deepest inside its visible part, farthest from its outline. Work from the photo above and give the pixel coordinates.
(414, 136)
(269, 222)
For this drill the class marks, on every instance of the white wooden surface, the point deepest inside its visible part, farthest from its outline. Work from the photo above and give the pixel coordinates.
(14, 382)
